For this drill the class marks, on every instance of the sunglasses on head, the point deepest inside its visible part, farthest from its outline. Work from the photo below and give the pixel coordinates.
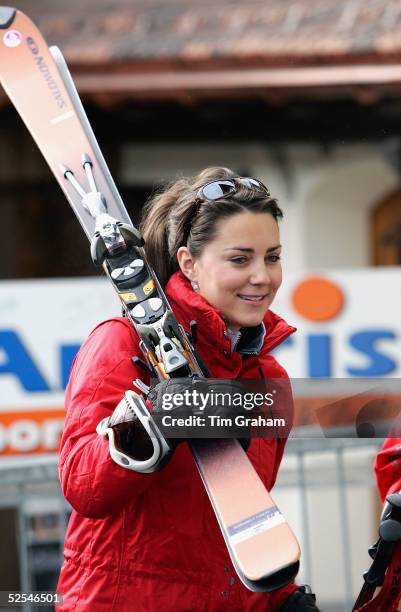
(220, 189)
(215, 190)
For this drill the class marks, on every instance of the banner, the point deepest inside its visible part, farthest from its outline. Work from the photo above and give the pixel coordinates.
(42, 325)
(348, 322)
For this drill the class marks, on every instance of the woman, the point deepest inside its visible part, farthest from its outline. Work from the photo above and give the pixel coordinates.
(149, 542)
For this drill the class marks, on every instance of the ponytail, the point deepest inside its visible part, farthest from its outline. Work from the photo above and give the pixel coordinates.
(159, 227)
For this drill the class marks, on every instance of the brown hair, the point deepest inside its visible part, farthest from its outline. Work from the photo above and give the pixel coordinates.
(168, 214)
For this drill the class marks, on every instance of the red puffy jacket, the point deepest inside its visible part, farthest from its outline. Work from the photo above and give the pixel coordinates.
(151, 542)
(388, 467)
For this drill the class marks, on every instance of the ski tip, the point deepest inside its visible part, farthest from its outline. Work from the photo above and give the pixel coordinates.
(7, 15)
(58, 57)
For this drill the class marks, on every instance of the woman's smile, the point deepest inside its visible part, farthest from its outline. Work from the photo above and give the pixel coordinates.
(255, 299)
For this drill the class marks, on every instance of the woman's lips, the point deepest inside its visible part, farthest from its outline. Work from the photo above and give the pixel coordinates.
(252, 299)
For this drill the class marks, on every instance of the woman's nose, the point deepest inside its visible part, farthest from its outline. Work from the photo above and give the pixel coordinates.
(260, 275)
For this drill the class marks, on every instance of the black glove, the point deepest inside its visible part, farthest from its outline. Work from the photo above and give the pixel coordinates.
(162, 400)
(301, 600)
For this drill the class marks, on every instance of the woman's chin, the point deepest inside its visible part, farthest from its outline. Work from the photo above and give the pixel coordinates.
(246, 321)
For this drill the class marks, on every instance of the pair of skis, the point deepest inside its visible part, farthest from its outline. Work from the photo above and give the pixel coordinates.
(262, 546)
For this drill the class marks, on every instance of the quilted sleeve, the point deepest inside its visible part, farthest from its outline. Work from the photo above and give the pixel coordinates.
(91, 481)
(388, 467)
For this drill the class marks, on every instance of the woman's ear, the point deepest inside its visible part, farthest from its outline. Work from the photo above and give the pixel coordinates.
(187, 263)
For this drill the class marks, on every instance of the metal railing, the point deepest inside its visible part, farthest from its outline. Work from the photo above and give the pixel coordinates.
(334, 471)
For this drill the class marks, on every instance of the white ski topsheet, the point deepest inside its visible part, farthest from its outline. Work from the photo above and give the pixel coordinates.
(51, 109)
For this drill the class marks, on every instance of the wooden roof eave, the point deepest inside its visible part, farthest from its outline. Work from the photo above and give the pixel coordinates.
(363, 82)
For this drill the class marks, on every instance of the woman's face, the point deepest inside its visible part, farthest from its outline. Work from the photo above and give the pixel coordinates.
(239, 272)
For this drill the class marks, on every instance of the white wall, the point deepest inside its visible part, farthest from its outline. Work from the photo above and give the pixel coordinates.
(339, 193)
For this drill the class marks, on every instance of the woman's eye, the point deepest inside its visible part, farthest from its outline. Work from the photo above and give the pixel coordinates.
(273, 258)
(242, 260)
(238, 260)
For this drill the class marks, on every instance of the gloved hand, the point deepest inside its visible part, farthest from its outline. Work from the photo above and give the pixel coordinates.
(188, 397)
(301, 600)
(139, 441)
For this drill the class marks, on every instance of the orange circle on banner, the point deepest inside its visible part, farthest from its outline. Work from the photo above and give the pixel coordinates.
(318, 299)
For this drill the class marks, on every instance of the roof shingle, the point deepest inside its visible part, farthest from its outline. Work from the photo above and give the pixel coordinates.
(271, 32)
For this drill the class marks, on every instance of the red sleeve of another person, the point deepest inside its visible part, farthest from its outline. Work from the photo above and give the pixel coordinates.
(388, 467)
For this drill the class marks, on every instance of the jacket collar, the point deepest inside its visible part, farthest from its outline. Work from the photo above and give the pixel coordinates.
(189, 305)
(250, 340)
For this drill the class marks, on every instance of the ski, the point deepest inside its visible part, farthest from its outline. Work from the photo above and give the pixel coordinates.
(263, 548)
